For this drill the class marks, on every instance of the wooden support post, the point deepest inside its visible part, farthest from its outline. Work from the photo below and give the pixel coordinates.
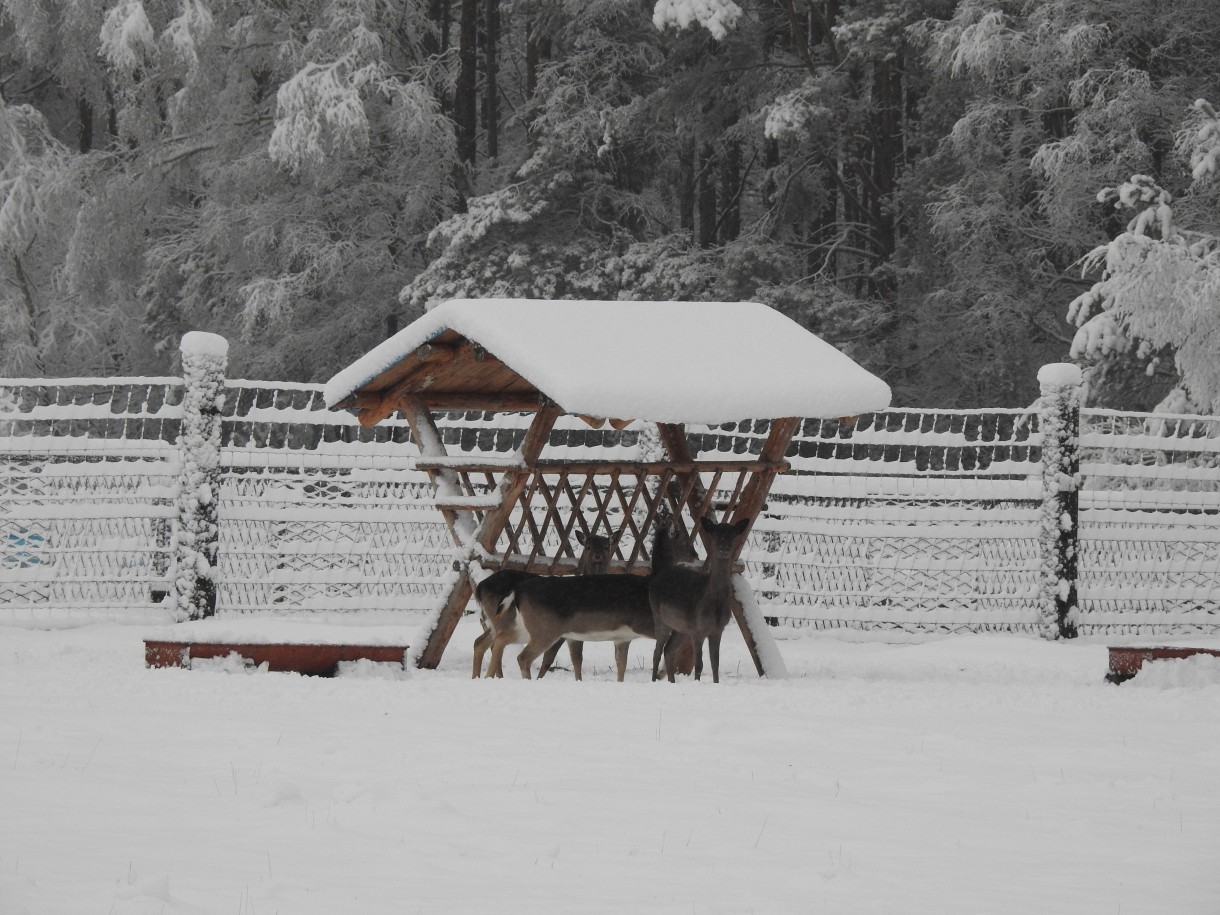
(487, 533)
(753, 496)
(430, 444)
(428, 439)
(446, 620)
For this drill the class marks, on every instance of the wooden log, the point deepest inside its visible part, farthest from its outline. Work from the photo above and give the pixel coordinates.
(376, 406)
(430, 443)
(566, 565)
(486, 535)
(750, 504)
(510, 402)
(315, 660)
(446, 621)
(756, 490)
(1126, 662)
(633, 468)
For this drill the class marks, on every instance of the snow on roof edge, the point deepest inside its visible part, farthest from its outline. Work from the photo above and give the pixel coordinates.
(658, 361)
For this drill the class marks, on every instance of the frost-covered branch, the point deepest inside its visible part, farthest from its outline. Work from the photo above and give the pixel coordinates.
(1159, 283)
(717, 16)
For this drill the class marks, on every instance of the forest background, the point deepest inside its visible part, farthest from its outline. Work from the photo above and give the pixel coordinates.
(954, 193)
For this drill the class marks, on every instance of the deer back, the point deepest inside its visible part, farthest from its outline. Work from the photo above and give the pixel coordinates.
(497, 586)
(585, 604)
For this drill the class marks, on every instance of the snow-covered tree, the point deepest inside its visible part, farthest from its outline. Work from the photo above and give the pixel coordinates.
(1044, 103)
(1159, 280)
(266, 168)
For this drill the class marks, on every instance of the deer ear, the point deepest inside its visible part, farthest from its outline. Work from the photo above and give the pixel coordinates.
(614, 537)
(580, 537)
(740, 527)
(706, 523)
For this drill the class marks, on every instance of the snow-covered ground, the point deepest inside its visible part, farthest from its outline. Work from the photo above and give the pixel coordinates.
(974, 774)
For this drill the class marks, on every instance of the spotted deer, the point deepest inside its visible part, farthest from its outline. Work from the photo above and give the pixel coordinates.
(501, 625)
(694, 603)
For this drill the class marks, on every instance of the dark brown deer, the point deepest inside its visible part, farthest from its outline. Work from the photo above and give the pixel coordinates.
(593, 561)
(502, 626)
(695, 603)
(670, 544)
(584, 608)
(493, 595)
(598, 608)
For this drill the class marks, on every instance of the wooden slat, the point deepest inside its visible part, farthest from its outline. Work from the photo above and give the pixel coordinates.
(486, 535)
(751, 502)
(755, 492)
(648, 468)
(424, 429)
(451, 612)
(567, 566)
(652, 468)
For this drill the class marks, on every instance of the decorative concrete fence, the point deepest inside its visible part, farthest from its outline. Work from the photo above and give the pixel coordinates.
(153, 499)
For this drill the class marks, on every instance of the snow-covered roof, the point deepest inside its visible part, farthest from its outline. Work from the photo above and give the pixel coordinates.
(707, 362)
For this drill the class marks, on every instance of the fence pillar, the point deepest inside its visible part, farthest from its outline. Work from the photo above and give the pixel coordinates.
(204, 360)
(1059, 537)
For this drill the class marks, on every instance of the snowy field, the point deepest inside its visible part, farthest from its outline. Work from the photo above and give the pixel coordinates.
(973, 774)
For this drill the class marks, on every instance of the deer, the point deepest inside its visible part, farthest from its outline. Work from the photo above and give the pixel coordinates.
(594, 608)
(670, 544)
(582, 608)
(695, 603)
(501, 627)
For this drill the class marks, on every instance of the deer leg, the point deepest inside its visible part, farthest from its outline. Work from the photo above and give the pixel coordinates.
(697, 642)
(713, 653)
(496, 667)
(548, 658)
(671, 650)
(620, 658)
(481, 644)
(529, 654)
(663, 635)
(576, 649)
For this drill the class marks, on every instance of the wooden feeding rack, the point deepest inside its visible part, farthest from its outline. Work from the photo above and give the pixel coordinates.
(604, 362)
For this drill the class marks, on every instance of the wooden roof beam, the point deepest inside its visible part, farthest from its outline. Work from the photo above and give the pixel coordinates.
(375, 406)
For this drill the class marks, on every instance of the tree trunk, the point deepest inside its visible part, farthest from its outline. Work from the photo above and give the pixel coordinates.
(730, 196)
(85, 112)
(706, 196)
(31, 314)
(686, 185)
(465, 108)
(491, 89)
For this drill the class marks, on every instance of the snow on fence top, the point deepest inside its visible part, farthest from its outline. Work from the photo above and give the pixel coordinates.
(709, 362)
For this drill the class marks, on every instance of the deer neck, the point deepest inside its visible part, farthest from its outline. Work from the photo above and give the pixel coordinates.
(718, 574)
